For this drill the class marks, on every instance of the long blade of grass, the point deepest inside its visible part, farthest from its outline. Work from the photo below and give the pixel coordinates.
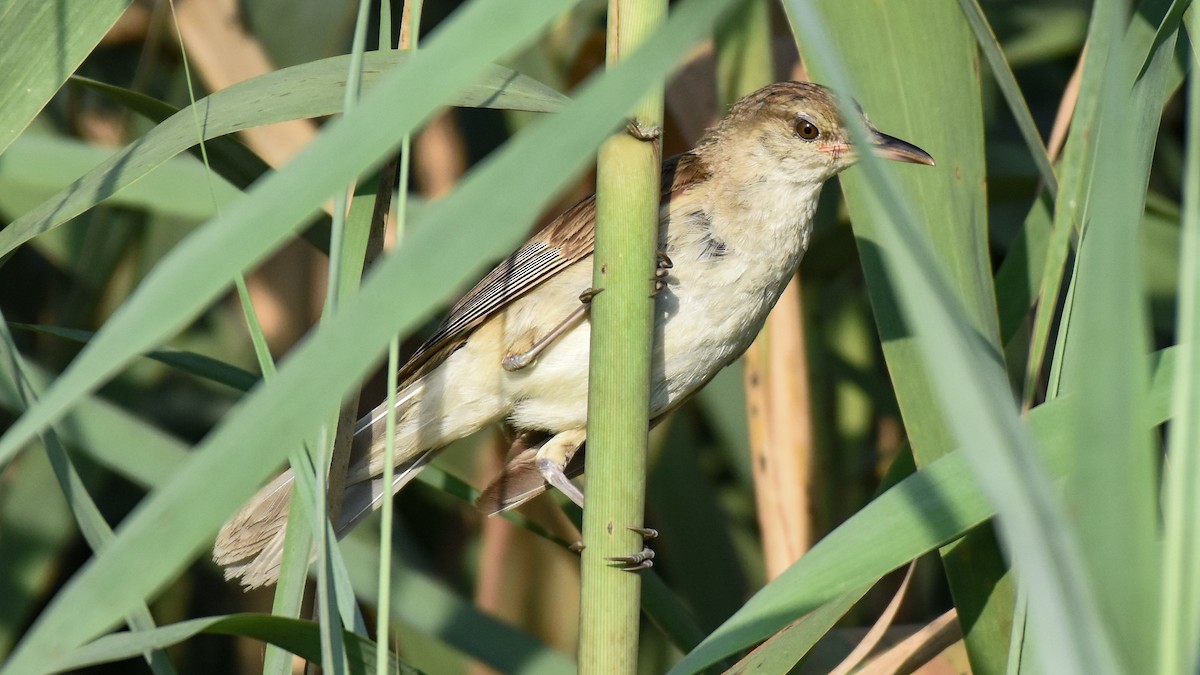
(1179, 620)
(398, 169)
(1073, 207)
(37, 166)
(201, 366)
(296, 636)
(333, 457)
(91, 523)
(111, 436)
(308, 90)
(1012, 91)
(44, 42)
(1113, 491)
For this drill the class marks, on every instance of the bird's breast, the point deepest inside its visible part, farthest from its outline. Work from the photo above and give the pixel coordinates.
(728, 271)
(724, 279)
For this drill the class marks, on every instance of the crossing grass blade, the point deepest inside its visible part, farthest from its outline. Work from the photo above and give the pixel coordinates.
(44, 42)
(308, 90)
(299, 637)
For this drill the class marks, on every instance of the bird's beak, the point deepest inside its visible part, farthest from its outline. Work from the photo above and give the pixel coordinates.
(891, 147)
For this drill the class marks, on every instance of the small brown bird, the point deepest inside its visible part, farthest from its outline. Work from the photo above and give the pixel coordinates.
(734, 221)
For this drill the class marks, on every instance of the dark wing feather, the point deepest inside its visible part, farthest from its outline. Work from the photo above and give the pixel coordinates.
(565, 241)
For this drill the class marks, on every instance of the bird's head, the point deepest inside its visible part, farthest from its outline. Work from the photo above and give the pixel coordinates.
(795, 131)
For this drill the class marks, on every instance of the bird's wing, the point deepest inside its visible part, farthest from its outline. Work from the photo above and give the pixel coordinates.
(565, 241)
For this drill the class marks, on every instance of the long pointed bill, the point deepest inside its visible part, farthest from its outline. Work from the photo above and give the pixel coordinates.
(891, 147)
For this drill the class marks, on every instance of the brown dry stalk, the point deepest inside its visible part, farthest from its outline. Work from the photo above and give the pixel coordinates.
(283, 290)
(224, 55)
(780, 428)
(1066, 109)
(878, 630)
(917, 649)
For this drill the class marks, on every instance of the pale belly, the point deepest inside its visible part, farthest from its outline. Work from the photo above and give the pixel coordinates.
(705, 318)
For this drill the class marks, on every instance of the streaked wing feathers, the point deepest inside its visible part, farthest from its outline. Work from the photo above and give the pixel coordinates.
(562, 243)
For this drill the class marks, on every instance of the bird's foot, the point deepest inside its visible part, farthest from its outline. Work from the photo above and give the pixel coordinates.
(642, 132)
(586, 296)
(643, 559)
(659, 281)
(662, 264)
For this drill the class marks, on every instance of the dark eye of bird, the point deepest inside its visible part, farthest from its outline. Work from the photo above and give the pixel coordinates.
(806, 130)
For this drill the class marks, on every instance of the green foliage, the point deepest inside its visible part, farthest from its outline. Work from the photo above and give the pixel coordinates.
(1024, 320)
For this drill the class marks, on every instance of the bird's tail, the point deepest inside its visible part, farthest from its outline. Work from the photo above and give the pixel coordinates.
(250, 545)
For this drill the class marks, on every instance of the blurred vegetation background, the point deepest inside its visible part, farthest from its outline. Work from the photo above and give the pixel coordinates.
(475, 594)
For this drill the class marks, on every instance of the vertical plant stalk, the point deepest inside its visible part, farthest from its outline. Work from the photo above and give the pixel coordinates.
(776, 375)
(333, 444)
(410, 28)
(627, 201)
(349, 227)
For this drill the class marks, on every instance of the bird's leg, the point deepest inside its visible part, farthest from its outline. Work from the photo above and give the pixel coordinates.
(643, 559)
(520, 360)
(552, 459)
(642, 132)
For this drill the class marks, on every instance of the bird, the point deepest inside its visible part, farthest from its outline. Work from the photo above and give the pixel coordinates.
(735, 219)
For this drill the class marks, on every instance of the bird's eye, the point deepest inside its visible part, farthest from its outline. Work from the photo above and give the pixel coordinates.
(806, 129)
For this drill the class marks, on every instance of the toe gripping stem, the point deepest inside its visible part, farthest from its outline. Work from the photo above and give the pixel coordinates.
(643, 559)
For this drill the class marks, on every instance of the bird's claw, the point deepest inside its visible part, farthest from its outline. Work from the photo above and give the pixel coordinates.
(642, 132)
(646, 532)
(513, 362)
(642, 560)
(587, 296)
(661, 265)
